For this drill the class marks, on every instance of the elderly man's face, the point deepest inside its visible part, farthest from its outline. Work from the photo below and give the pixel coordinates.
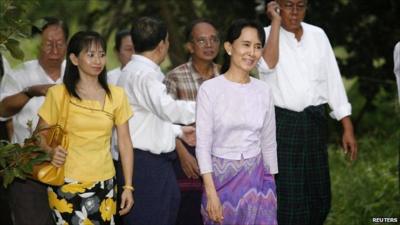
(205, 42)
(53, 46)
(292, 13)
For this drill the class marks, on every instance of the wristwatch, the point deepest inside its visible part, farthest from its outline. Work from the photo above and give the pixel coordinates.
(26, 92)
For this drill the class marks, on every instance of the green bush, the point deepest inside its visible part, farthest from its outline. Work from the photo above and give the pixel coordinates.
(368, 187)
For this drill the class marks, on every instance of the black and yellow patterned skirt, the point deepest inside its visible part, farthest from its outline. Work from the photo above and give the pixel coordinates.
(84, 202)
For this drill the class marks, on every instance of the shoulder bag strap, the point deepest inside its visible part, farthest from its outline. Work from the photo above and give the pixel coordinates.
(64, 109)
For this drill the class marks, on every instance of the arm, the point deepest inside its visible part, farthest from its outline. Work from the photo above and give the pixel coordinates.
(271, 49)
(12, 104)
(57, 154)
(204, 131)
(155, 99)
(348, 139)
(337, 100)
(126, 156)
(214, 207)
(48, 115)
(268, 139)
(204, 136)
(188, 162)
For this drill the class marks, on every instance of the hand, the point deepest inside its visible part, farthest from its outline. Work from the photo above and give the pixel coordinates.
(39, 90)
(58, 156)
(350, 144)
(214, 208)
(273, 10)
(189, 135)
(348, 140)
(126, 202)
(189, 165)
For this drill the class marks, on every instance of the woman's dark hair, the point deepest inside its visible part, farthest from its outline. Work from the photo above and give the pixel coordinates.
(147, 32)
(234, 32)
(118, 38)
(79, 42)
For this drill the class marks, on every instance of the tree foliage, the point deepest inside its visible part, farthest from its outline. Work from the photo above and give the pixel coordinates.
(365, 32)
(17, 161)
(368, 32)
(13, 25)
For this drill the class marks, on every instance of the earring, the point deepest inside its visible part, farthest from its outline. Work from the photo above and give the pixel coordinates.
(229, 53)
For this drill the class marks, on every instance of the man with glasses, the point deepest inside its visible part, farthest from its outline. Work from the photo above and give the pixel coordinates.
(304, 80)
(182, 83)
(21, 95)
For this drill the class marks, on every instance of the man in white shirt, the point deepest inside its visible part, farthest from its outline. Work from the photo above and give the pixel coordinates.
(21, 95)
(396, 60)
(304, 80)
(153, 130)
(124, 50)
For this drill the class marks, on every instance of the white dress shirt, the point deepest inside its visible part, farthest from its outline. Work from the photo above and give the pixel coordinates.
(235, 121)
(6, 69)
(31, 73)
(396, 58)
(307, 73)
(155, 112)
(112, 78)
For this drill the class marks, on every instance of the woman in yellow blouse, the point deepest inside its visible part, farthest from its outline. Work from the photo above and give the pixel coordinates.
(88, 195)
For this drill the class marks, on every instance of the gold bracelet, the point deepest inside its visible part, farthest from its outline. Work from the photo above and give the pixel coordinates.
(129, 187)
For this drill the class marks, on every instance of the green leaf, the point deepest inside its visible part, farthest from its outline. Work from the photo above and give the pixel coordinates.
(31, 148)
(40, 158)
(14, 48)
(2, 47)
(18, 173)
(12, 12)
(25, 30)
(39, 23)
(8, 178)
(7, 149)
(3, 163)
(27, 168)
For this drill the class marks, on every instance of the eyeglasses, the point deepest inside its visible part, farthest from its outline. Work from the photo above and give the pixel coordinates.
(301, 7)
(53, 45)
(203, 41)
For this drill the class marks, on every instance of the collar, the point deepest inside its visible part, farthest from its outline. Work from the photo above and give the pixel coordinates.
(146, 61)
(196, 74)
(291, 35)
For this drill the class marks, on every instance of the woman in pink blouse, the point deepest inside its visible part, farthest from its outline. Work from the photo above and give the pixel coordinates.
(235, 130)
